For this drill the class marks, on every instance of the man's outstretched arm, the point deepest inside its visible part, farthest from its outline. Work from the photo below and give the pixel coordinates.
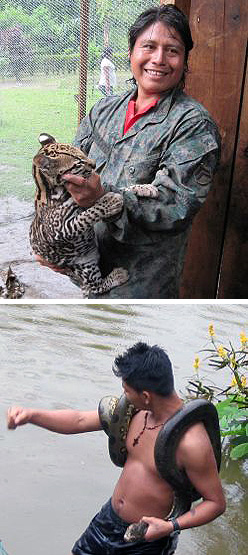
(60, 421)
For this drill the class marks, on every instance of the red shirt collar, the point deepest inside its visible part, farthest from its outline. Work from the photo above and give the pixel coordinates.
(131, 117)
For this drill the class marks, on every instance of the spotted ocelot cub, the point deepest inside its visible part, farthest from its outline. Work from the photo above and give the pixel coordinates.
(62, 232)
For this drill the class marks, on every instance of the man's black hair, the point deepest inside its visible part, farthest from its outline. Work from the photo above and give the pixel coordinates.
(145, 368)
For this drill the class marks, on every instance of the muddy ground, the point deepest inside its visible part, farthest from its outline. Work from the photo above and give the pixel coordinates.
(39, 282)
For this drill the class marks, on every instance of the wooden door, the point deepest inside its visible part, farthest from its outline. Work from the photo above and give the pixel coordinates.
(233, 281)
(183, 5)
(217, 66)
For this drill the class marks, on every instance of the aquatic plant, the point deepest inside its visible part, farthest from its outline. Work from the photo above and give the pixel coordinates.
(232, 401)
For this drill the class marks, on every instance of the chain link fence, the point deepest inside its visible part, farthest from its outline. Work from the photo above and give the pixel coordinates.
(54, 57)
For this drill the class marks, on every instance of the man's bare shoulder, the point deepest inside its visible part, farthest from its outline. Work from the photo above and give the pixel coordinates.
(196, 432)
(195, 446)
(196, 456)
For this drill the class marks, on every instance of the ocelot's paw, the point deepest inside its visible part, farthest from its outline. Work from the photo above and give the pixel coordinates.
(145, 190)
(118, 276)
(112, 204)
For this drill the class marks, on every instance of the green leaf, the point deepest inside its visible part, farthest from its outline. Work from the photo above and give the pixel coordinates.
(223, 421)
(239, 451)
(232, 432)
(226, 408)
(226, 401)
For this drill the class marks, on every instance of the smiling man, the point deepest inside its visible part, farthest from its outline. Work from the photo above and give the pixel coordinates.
(157, 62)
(156, 135)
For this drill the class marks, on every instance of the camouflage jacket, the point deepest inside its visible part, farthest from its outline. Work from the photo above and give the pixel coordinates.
(176, 147)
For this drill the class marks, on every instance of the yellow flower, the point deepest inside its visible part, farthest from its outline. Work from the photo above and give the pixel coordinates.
(222, 352)
(234, 381)
(243, 339)
(196, 363)
(211, 330)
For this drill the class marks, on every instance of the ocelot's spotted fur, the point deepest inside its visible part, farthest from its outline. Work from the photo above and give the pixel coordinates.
(62, 233)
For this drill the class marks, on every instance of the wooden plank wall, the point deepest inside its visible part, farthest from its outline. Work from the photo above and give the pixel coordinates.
(234, 269)
(219, 29)
(216, 78)
(183, 5)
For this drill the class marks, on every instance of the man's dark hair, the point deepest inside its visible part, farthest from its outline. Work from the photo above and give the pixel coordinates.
(145, 368)
(168, 14)
(171, 16)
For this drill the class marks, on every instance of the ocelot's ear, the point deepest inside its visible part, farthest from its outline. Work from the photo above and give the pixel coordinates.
(46, 139)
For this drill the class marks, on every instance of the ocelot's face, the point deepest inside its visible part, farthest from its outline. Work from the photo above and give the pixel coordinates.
(54, 160)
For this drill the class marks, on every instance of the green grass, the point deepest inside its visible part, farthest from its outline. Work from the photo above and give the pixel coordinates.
(40, 104)
(27, 109)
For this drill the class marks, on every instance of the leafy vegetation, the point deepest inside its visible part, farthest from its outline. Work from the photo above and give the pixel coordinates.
(34, 31)
(232, 401)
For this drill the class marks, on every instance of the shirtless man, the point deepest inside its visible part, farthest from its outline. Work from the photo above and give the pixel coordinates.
(140, 493)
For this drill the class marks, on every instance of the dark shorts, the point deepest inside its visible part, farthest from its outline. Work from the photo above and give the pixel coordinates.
(104, 536)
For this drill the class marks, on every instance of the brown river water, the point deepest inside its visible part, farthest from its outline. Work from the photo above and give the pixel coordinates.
(60, 356)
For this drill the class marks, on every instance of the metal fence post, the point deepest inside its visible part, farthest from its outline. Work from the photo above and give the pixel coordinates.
(84, 39)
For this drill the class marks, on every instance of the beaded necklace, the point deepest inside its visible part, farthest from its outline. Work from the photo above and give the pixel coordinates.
(145, 427)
